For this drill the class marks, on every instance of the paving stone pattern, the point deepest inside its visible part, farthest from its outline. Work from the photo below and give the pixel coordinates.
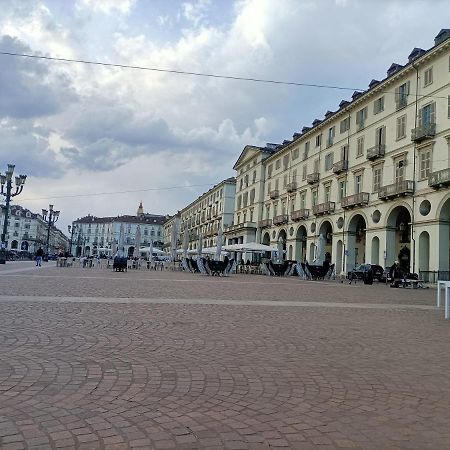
(122, 375)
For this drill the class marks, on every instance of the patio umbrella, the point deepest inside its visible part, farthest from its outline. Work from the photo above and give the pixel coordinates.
(185, 243)
(137, 242)
(280, 249)
(219, 243)
(200, 244)
(121, 240)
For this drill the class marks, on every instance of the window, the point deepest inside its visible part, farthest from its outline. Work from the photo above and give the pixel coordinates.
(401, 95)
(304, 172)
(360, 146)
(277, 184)
(245, 199)
(425, 163)
(358, 183)
(295, 153)
(345, 125)
(378, 105)
(269, 171)
(316, 165)
(314, 197)
(245, 180)
(328, 161)
(380, 137)
(361, 117)
(399, 166)
(285, 181)
(306, 151)
(283, 208)
(294, 175)
(268, 211)
(428, 77)
(286, 161)
(277, 164)
(269, 187)
(427, 115)
(275, 209)
(342, 189)
(303, 200)
(344, 152)
(401, 127)
(377, 178)
(318, 140)
(252, 196)
(241, 184)
(331, 132)
(254, 176)
(327, 191)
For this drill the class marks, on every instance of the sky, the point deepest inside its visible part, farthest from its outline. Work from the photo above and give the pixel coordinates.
(87, 136)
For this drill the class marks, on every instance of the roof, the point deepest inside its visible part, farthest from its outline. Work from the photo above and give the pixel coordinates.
(150, 219)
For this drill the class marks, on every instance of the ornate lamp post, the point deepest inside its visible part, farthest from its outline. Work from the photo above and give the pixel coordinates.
(50, 217)
(7, 192)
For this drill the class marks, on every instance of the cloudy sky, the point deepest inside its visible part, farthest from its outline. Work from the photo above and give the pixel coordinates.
(78, 129)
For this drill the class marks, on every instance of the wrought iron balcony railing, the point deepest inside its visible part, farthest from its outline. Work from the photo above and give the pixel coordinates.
(300, 214)
(265, 223)
(280, 219)
(274, 194)
(340, 166)
(426, 131)
(375, 152)
(324, 208)
(360, 199)
(398, 189)
(312, 178)
(439, 178)
(292, 186)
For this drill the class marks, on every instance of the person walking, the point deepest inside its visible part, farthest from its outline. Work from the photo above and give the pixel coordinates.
(39, 255)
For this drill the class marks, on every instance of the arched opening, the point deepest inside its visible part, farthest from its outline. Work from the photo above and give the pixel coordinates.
(356, 242)
(324, 243)
(282, 238)
(78, 252)
(444, 237)
(266, 239)
(339, 247)
(312, 251)
(300, 243)
(130, 251)
(424, 251)
(14, 245)
(24, 246)
(290, 250)
(398, 237)
(375, 258)
(87, 250)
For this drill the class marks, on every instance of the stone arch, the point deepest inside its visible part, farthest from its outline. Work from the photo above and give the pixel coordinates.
(266, 238)
(282, 234)
(14, 245)
(24, 246)
(300, 243)
(130, 251)
(325, 240)
(87, 250)
(339, 249)
(356, 242)
(398, 236)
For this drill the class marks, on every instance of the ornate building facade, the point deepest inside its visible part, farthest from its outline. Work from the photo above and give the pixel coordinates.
(369, 180)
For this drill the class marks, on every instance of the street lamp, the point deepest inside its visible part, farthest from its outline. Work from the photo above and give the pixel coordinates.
(50, 217)
(8, 193)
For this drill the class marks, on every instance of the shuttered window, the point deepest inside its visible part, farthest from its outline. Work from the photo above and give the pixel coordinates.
(401, 127)
(401, 95)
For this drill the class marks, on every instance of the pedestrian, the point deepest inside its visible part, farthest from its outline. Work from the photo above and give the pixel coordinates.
(39, 255)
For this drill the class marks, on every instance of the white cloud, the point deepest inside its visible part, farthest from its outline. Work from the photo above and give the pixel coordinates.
(106, 6)
(195, 11)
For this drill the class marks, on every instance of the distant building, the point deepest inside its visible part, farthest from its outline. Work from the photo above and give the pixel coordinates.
(27, 231)
(96, 235)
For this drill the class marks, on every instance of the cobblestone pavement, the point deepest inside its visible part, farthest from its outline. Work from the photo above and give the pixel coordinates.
(243, 369)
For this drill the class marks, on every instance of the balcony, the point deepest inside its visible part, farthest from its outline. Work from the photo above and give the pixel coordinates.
(274, 194)
(340, 166)
(265, 223)
(360, 199)
(376, 152)
(292, 186)
(324, 208)
(241, 226)
(396, 190)
(280, 219)
(312, 178)
(439, 178)
(300, 214)
(427, 131)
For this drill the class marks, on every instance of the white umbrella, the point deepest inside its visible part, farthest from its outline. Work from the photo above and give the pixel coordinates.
(280, 249)
(185, 243)
(219, 243)
(137, 242)
(200, 244)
